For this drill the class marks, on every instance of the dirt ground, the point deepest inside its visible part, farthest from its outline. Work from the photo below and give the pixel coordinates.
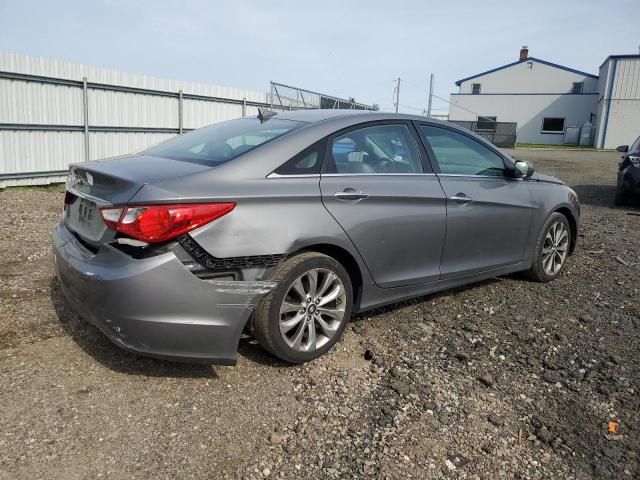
(504, 379)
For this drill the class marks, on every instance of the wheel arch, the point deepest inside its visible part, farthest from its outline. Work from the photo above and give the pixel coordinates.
(573, 225)
(347, 260)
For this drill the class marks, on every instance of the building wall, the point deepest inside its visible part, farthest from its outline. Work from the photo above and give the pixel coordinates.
(525, 93)
(618, 108)
(530, 78)
(527, 111)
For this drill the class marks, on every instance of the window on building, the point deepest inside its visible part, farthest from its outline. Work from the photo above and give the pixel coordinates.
(487, 124)
(577, 87)
(552, 125)
(475, 88)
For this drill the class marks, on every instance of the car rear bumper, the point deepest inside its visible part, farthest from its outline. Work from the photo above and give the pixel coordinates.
(155, 306)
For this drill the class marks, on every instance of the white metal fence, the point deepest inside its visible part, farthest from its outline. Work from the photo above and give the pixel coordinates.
(55, 113)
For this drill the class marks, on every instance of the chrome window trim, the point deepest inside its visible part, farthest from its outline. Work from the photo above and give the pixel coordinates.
(296, 175)
(378, 174)
(471, 175)
(316, 175)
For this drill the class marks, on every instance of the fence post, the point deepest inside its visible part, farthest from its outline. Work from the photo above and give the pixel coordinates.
(85, 114)
(271, 96)
(244, 106)
(180, 120)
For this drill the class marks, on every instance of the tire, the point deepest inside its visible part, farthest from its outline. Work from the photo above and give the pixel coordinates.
(544, 248)
(620, 196)
(297, 344)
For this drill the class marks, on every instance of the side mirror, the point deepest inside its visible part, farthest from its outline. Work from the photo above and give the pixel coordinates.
(523, 169)
(623, 148)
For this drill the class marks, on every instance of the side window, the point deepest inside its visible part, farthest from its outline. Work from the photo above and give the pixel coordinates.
(375, 149)
(461, 155)
(635, 148)
(307, 162)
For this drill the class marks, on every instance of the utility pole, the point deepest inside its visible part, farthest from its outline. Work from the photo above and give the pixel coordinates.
(397, 92)
(430, 96)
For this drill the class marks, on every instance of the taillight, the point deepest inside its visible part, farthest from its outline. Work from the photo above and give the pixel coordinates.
(158, 223)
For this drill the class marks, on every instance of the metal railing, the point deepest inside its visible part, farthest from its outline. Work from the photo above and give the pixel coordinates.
(501, 134)
(287, 97)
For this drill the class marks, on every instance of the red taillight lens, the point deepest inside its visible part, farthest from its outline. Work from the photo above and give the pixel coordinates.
(158, 223)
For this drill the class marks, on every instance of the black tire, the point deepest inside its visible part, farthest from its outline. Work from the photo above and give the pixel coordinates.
(537, 272)
(266, 320)
(620, 196)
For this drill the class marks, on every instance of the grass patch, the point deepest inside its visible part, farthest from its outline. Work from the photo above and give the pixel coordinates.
(543, 146)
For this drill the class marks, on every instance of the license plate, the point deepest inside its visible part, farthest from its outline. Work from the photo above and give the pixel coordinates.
(86, 211)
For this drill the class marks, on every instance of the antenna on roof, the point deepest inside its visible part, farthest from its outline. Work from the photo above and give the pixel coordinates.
(264, 114)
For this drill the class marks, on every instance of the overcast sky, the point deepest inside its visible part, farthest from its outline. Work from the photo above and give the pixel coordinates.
(344, 48)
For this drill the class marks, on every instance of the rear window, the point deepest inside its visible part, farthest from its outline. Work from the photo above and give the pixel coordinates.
(224, 141)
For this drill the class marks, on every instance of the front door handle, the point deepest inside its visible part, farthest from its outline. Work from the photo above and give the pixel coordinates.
(461, 198)
(351, 195)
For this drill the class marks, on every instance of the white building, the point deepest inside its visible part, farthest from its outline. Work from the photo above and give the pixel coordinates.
(618, 109)
(543, 98)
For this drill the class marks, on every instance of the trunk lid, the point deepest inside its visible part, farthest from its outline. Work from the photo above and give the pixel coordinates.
(93, 185)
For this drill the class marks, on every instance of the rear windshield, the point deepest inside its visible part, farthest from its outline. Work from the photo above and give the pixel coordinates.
(224, 141)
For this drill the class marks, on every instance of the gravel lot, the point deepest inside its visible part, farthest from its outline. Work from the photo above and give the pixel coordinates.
(504, 379)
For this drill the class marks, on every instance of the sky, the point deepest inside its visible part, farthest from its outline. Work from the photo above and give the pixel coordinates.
(343, 48)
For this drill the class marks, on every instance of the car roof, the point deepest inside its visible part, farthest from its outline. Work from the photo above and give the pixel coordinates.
(319, 115)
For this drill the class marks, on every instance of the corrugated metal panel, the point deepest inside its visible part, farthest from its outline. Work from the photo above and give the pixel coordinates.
(39, 151)
(30, 102)
(13, 62)
(104, 145)
(121, 109)
(627, 86)
(34, 103)
(199, 113)
(25, 182)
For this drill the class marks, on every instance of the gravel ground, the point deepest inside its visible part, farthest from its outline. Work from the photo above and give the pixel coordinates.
(504, 379)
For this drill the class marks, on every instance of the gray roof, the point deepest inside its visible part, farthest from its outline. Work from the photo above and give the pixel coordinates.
(319, 115)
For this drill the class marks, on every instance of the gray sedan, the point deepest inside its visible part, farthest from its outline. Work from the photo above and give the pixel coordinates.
(285, 225)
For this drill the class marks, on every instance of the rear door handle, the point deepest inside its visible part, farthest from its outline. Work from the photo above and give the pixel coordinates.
(461, 198)
(351, 195)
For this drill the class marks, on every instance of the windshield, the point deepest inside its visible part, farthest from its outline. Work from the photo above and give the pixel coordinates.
(222, 142)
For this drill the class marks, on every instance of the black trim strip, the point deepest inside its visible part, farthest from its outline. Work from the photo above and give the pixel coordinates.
(210, 262)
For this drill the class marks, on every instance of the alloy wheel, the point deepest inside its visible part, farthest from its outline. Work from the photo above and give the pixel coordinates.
(312, 310)
(555, 248)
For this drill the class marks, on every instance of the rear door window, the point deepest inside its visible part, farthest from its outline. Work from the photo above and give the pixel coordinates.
(307, 162)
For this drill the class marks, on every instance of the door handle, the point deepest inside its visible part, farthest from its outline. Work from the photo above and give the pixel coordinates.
(461, 198)
(351, 195)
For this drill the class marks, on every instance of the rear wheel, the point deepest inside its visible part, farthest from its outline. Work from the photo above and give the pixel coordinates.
(552, 249)
(306, 314)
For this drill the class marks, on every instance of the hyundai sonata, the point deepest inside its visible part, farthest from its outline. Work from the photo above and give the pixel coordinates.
(285, 225)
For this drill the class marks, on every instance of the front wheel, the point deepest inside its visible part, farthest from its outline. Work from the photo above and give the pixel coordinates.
(620, 197)
(306, 314)
(552, 249)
